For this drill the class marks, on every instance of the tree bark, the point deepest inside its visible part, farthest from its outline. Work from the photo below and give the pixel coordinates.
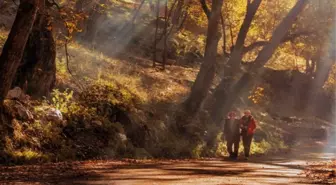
(14, 47)
(37, 72)
(223, 104)
(207, 72)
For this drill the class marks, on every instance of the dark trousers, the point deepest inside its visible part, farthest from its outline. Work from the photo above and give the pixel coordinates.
(233, 144)
(247, 140)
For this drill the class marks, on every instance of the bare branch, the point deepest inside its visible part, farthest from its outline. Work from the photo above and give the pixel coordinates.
(289, 38)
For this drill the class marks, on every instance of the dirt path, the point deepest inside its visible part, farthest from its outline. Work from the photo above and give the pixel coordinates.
(284, 169)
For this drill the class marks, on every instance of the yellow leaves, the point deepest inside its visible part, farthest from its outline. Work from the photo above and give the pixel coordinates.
(70, 26)
(71, 21)
(258, 95)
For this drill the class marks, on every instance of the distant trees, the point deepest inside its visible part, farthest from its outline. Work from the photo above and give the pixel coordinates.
(174, 17)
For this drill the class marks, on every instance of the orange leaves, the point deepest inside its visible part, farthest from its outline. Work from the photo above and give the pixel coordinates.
(71, 21)
(322, 172)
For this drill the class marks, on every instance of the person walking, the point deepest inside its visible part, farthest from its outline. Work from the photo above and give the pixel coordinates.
(232, 134)
(248, 126)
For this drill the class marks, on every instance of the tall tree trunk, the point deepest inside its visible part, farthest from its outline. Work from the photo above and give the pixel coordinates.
(156, 32)
(37, 72)
(14, 47)
(164, 54)
(225, 103)
(207, 72)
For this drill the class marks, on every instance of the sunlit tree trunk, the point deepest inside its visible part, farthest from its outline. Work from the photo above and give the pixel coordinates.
(15, 44)
(207, 72)
(224, 103)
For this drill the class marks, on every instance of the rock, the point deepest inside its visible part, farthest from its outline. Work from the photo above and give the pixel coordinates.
(23, 112)
(15, 93)
(54, 115)
(122, 137)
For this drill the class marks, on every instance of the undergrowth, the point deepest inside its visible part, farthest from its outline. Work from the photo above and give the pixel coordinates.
(85, 130)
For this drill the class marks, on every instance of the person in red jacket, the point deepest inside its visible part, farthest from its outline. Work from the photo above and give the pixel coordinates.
(248, 126)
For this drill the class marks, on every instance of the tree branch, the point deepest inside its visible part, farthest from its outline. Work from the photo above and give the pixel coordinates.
(288, 38)
(205, 8)
(251, 10)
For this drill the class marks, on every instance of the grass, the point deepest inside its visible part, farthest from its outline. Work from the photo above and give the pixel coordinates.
(133, 72)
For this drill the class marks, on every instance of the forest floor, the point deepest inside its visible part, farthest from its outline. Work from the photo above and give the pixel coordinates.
(286, 168)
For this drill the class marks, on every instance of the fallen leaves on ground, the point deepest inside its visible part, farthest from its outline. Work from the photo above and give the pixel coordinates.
(51, 173)
(322, 172)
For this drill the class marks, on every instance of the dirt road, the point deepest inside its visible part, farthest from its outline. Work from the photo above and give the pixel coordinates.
(284, 169)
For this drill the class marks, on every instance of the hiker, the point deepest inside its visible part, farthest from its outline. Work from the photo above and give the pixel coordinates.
(232, 134)
(248, 126)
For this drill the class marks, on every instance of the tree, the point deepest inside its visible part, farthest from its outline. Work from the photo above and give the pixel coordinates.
(13, 49)
(224, 104)
(238, 49)
(37, 71)
(206, 74)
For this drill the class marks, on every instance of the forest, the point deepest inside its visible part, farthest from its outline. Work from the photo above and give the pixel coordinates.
(138, 91)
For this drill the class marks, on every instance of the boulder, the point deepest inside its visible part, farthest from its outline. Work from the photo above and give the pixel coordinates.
(17, 94)
(54, 115)
(122, 137)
